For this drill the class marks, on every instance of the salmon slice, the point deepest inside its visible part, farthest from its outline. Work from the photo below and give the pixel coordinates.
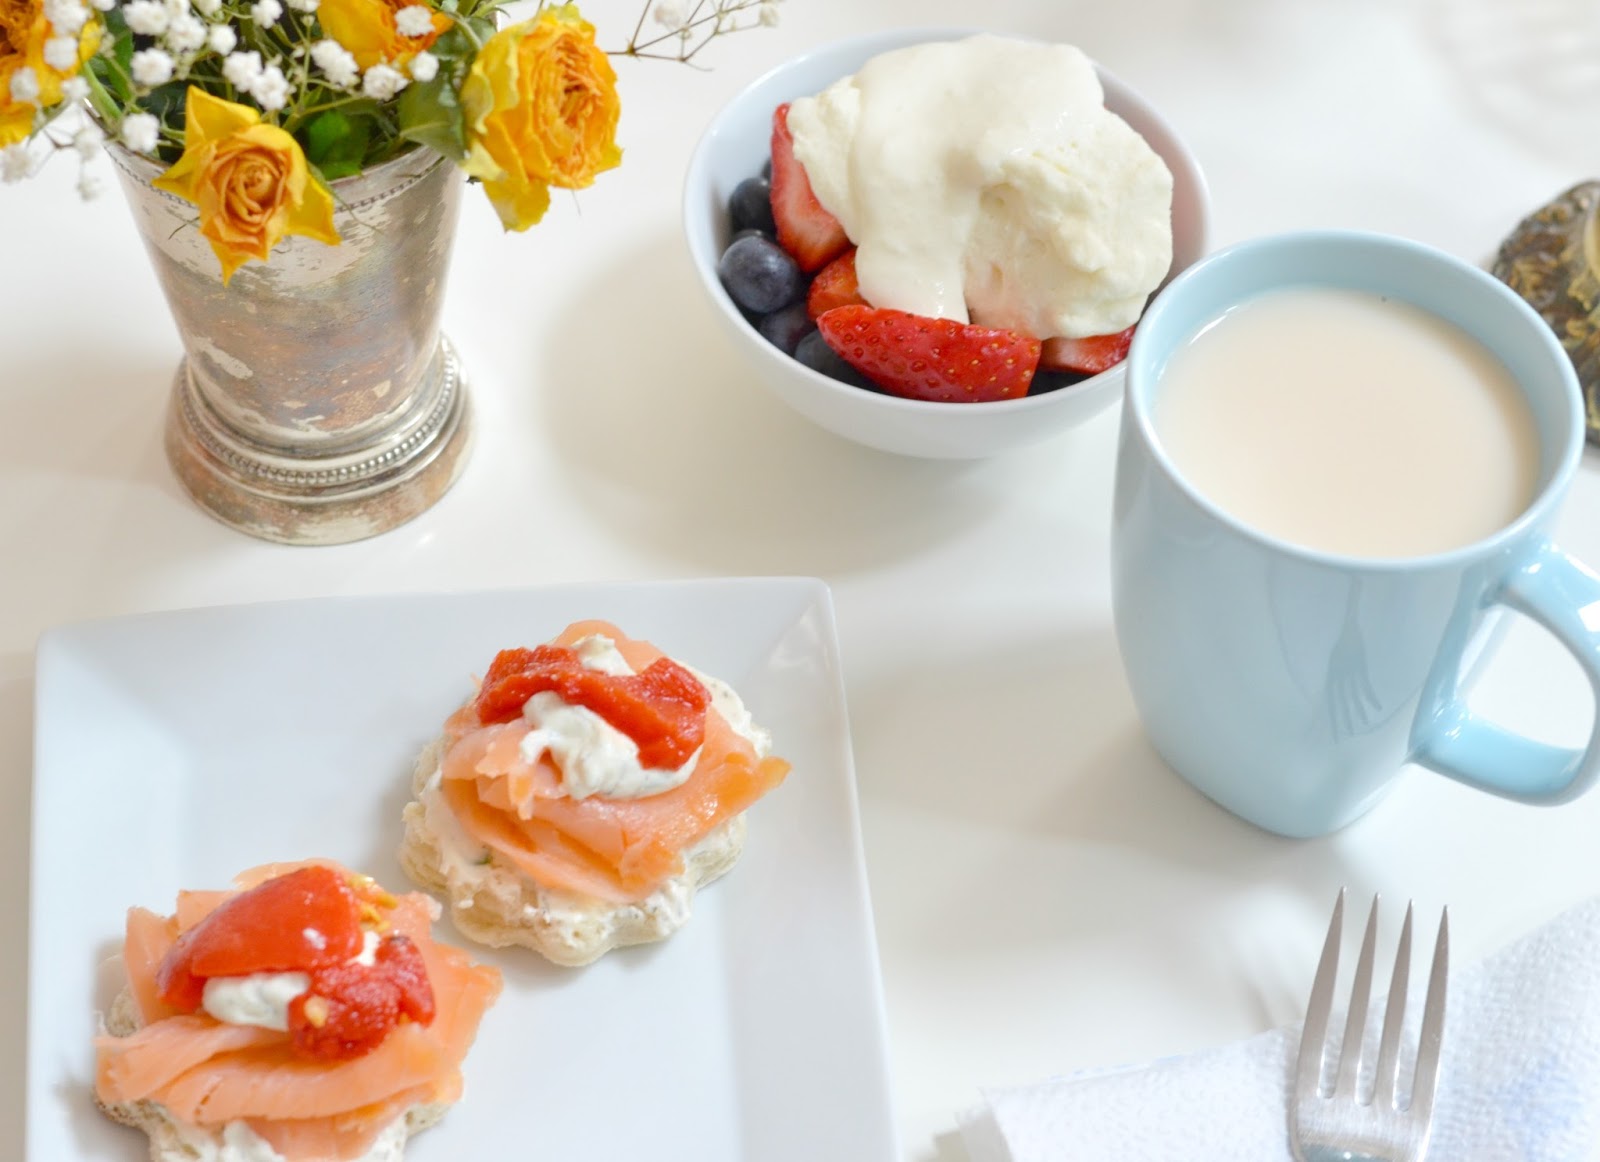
(271, 1082)
(146, 940)
(349, 1135)
(535, 848)
(132, 1068)
(206, 1073)
(194, 907)
(619, 850)
(496, 752)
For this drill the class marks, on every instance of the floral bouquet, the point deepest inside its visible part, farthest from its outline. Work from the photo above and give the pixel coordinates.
(256, 105)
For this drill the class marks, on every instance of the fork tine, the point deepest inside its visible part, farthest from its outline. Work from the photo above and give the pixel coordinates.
(1427, 1072)
(1386, 1080)
(1308, 1070)
(1355, 1022)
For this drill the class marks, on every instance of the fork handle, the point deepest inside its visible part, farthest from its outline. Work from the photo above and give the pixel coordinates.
(1563, 596)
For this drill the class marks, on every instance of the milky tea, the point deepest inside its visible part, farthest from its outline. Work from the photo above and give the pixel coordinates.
(1350, 423)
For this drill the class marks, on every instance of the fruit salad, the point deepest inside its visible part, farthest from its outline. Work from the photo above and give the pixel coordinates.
(924, 231)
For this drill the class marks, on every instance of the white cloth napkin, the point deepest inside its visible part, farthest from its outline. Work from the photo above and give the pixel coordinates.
(1519, 1081)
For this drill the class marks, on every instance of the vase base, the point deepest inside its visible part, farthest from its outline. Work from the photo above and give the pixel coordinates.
(297, 497)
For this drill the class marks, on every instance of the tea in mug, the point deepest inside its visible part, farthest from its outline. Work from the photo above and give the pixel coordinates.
(1348, 422)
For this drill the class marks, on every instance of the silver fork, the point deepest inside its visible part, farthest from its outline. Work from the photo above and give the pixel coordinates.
(1345, 1123)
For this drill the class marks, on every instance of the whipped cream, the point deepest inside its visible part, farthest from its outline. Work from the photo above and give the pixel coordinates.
(983, 180)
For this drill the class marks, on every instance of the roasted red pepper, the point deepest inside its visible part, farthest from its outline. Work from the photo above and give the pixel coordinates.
(312, 920)
(662, 708)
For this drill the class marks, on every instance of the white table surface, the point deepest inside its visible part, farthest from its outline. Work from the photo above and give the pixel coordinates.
(1048, 895)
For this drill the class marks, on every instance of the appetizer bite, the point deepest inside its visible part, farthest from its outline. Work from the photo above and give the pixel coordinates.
(577, 802)
(307, 1016)
(959, 221)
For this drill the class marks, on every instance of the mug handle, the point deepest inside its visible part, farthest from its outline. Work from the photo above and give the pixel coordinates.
(1564, 597)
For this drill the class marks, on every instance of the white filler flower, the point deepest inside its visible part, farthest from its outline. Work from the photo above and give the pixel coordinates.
(16, 163)
(141, 132)
(271, 89)
(424, 67)
(61, 53)
(382, 82)
(151, 67)
(336, 63)
(25, 86)
(146, 17)
(414, 20)
(241, 69)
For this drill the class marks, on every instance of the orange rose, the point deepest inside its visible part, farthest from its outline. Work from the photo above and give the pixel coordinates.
(24, 32)
(250, 181)
(367, 30)
(541, 107)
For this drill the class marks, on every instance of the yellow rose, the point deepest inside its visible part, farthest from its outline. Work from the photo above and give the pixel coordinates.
(24, 32)
(250, 181)
(368, 31)
(541, 107)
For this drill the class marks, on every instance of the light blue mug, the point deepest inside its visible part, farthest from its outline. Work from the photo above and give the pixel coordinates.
(1291, 685)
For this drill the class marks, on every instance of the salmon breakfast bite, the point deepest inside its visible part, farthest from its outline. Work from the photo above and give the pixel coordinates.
(305, 1016)
(579, 800)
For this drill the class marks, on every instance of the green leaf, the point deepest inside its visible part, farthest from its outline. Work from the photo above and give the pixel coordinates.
(112, 67)
(167, 102)
(334, 170)
(430, 114)
(336, 141)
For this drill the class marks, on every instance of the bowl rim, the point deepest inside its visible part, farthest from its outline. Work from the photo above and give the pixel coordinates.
(696, 178)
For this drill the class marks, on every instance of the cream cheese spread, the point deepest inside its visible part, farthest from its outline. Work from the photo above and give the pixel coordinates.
(260, 999)
(983, 180)
(237, 1142)
(594, 757)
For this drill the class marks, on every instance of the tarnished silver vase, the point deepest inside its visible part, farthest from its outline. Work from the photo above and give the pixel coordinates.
(317, 401)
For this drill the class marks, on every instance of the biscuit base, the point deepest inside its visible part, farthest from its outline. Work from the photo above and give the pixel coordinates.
(167, 1140)
(501, 908)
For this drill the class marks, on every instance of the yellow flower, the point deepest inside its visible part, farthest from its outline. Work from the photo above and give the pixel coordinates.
(368, 31)
(24, 32)
(541, 107)
(249, 180)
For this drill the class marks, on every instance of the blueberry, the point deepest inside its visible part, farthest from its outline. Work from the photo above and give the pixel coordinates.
(815, 353)
(760, 276)
(766, 169)
(1047, 381)
(750, 207)
(784, 329)
(746, 234)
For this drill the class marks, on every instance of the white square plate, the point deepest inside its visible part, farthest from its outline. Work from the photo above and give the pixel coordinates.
(173, 750)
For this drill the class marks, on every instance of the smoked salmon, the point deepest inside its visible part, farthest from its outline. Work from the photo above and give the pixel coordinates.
(205, 1072)
(594, 770)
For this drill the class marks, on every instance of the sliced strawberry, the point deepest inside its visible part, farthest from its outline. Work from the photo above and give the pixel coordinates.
(811, 235)
(835, 286)
(931, 359)
(1091, 355)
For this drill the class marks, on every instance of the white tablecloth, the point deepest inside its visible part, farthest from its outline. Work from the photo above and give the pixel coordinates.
(1048, 895)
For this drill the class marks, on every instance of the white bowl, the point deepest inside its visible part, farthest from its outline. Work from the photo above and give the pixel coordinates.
(736, 145)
